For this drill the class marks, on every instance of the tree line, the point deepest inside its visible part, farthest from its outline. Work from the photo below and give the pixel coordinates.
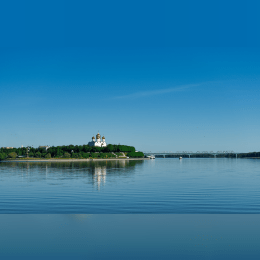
(71, 151)
(206, 155)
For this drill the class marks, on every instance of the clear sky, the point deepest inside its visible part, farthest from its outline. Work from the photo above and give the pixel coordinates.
(159, 75)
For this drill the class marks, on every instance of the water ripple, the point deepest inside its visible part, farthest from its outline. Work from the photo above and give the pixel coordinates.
(160, 186)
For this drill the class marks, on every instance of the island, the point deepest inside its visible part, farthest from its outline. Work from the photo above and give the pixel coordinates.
(70, 152)
(96, 149)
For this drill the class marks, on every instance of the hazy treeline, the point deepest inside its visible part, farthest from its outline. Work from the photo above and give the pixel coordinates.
(252, 155)
(72, 151)
(206, 155)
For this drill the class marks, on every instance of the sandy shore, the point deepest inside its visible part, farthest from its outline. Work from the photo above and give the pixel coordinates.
(74, 160)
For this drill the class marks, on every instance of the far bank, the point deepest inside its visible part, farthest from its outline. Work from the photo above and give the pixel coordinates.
(74, 160)
(70, 152)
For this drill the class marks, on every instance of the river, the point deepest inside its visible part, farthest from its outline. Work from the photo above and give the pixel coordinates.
(160, 186)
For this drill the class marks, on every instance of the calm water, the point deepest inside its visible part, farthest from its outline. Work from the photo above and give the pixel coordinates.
(135, 236)
(154, 186)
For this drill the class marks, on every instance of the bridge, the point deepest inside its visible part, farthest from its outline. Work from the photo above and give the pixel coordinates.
(193, 154)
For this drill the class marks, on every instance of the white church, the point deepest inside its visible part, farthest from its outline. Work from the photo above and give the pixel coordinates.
(98, 142)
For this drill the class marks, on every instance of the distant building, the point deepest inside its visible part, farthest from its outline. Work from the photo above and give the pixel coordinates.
(44, 147)
(7, 147)
(98, 142)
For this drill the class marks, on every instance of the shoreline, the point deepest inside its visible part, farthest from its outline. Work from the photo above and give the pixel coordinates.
(75, 160)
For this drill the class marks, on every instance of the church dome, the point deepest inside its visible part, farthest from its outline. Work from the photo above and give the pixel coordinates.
(93, 137)
(98, 136)
(103, 137)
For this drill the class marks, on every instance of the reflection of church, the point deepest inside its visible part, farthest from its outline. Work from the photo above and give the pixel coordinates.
(98, 142)
(100, 175)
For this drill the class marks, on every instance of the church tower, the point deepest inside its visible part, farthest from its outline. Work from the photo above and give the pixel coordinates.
(104, 141)
(98, 136)
(97, 142)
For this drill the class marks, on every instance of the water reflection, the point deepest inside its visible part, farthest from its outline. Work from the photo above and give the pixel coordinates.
(154, 186)
(99, 176)
(93, 172)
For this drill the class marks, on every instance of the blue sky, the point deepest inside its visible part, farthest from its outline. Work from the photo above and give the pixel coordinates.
(159, 75)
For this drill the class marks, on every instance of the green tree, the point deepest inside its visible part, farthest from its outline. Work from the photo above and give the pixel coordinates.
(94, 149)
(136, 154)
(102, 155)
(12, 155)
(94, 155)
(85, 155)
(38, 154)
(75, 155)
(2, 156)
(66, 155)
(48, 156)
(59, 152)
(86, 148)
(110, 148)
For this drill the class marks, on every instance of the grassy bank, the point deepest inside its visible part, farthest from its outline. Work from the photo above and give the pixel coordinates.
(71, 160)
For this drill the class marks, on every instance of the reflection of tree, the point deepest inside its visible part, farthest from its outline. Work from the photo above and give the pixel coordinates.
(122, 163)
(95, 172)
(74, 165)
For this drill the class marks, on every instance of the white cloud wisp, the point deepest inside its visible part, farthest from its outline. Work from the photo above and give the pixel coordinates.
(156, 92)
